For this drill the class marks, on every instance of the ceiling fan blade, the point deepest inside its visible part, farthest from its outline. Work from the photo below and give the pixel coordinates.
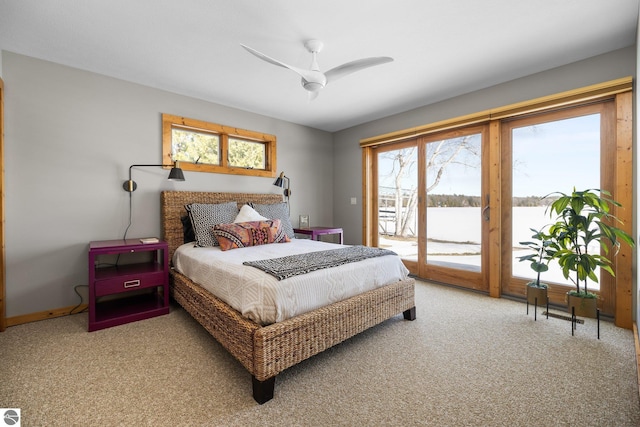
(308, 75)
(353, 66)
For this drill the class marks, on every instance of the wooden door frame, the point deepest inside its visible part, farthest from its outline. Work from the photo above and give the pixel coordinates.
(3, 310)
(467, 279)
(370, 202)
(370, 197)
(515, 286)
(624, 184)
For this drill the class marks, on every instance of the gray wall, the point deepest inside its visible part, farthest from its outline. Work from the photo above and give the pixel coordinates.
(70, 138)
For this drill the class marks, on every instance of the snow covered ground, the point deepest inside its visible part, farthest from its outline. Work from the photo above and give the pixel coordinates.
(454, 228)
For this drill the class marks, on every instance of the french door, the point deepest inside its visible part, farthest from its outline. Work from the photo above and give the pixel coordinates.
(433, 205)
(455, 198)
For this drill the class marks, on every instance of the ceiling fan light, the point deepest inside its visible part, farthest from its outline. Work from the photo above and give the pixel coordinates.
(312, 86)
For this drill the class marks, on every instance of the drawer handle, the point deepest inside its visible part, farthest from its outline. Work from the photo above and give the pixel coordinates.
(132, 283)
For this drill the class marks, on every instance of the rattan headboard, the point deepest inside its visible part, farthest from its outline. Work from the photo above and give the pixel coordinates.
(172, 208)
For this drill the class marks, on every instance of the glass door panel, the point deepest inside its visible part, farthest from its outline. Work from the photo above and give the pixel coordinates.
(542, 154)
(397, 195)
(455, 208)
(540, 167)
(454, 203)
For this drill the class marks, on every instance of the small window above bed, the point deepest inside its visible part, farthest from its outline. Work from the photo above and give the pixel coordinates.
(208, 147)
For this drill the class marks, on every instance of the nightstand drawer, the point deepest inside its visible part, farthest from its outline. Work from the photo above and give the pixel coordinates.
(128, 283)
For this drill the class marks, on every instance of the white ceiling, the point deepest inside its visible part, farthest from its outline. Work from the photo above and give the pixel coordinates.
(441, 48)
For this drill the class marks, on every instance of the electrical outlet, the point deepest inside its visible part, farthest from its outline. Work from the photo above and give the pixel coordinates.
(354, 201)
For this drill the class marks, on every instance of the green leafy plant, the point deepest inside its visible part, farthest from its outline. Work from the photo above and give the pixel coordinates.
(583, 219)
(540, 256)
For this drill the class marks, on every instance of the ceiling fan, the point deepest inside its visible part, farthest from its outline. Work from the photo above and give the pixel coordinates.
(313, 80)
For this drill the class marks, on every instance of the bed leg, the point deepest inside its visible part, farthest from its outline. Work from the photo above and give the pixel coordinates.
(410, 314)
(263, 390)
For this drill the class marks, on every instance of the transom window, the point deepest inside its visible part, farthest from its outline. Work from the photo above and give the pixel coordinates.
(208, 147)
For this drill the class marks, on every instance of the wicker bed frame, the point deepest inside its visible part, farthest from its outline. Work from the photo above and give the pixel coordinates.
(266, 351)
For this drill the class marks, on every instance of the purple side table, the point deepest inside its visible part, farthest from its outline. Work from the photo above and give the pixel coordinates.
(316, 232)
(149, 279)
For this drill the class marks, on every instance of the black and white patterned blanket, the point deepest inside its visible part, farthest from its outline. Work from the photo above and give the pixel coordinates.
(294, 265)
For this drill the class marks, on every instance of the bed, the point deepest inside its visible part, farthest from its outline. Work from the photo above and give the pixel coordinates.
(267, 350)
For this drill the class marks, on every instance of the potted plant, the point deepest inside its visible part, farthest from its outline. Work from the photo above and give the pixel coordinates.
(539, 262)
(581, 240)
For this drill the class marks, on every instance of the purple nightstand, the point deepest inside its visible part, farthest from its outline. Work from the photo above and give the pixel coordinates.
(316, 232)
(123, 291)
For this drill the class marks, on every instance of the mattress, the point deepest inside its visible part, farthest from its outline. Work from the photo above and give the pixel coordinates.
(264, 299)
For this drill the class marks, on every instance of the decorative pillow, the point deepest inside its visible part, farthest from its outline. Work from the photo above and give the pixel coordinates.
(187, 230)
(247, 213)
(252, 233)
(277, 211)
(205, 216)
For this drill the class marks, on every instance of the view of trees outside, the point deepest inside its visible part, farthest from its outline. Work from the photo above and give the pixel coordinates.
(195, 147)
(398, 193)
(247, 154)
(453, 165)
(204, 148)
(454, 191)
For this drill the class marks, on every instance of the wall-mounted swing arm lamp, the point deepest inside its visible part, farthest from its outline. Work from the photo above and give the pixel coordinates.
(129, 186)
(175, 174)
(283, 182)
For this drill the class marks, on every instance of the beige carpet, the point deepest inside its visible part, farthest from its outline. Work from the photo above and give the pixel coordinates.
(468, 360)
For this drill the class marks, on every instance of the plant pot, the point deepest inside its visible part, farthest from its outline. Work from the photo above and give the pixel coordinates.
(534, 292)
(584, 307)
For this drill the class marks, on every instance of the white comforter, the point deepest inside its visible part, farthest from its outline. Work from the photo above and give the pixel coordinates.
(264, 299)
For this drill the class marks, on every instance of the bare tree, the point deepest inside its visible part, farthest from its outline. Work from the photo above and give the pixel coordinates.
(406, 160)
(439, 155)
(442, 153)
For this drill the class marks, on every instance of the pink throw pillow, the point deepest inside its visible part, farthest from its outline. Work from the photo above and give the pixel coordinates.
(251, 233)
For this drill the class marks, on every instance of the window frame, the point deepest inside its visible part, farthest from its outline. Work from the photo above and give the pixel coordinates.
(224, 132)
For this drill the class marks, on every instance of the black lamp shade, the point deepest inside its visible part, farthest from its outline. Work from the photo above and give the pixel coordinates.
(176, 174)
(283, 181)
